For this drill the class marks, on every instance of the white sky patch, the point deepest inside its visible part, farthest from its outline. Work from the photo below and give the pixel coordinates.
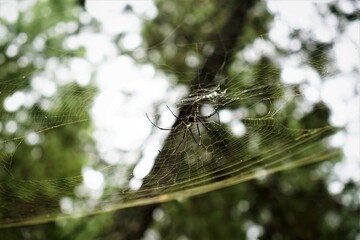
(11, 126)
(337, 140)
(304, 15)
(135, 183)
(99, 47)
(335, 187)
(291, 11)
(225, 115)
(12, 11)
(32, 138)
(4, 34)
(348, 6)
(14, 102)
(39, 42)
(347, 52)
(44, 86)
(312, 94)
(336, 92)
(130, 134)
(31, 98)
(126, 92)
(12, 50)
(232, 119)
(81, 70)
(150, 153)
(66, 205)
(259, 48)
(93, 180)
(237, 128)
(279, 33)
(112, 16)
(254, 231)
(131, 41)
(292, 75)
(145, 9)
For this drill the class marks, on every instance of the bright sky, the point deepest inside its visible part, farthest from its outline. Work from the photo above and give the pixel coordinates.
(127, 90)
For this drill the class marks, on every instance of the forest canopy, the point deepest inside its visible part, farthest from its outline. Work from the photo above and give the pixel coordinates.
(149, 119)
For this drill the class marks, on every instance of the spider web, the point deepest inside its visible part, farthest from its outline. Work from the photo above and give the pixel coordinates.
(250, 138)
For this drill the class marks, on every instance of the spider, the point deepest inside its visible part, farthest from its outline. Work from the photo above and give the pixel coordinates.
(193, 118)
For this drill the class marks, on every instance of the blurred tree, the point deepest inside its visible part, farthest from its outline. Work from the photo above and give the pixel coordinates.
(289, 205)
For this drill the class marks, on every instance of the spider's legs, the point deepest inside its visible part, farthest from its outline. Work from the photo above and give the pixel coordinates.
(202, 123)
(198, 130)
(192, 135)
(157, 125)
(172, 112)
(182, 140)
(218, 115)
(209, 116)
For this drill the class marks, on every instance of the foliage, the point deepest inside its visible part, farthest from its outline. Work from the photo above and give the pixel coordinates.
(294, 204)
